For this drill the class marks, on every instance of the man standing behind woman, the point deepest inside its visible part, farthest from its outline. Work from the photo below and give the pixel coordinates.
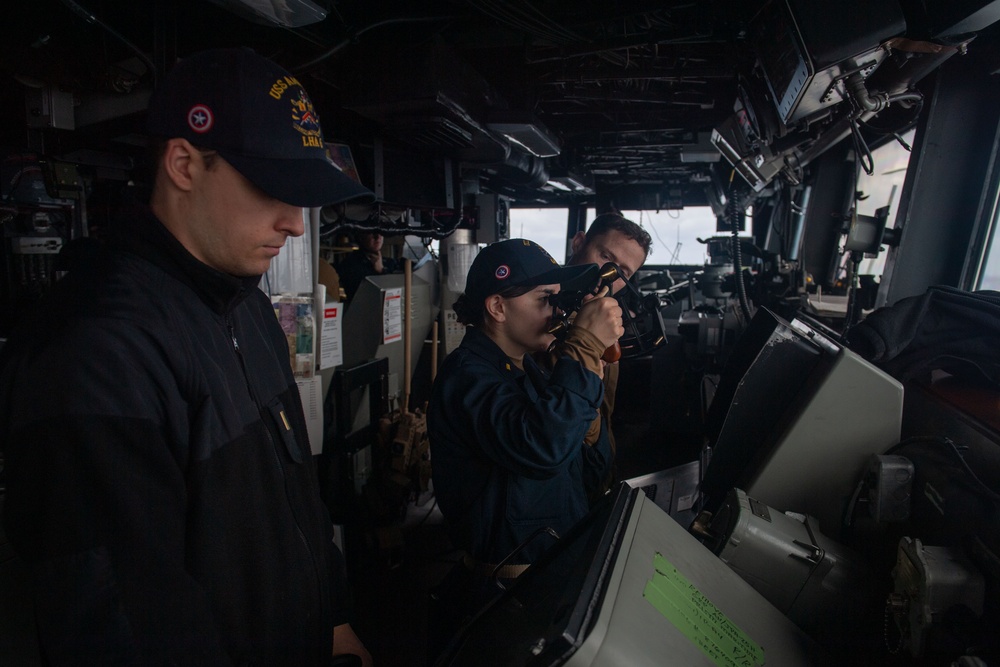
(610, 238)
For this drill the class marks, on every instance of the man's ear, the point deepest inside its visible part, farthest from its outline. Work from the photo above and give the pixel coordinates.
(178, 156)
(579, 240)
(495, 308)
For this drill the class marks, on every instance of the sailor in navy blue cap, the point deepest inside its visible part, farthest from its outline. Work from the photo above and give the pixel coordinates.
(242, 152)
(506, 436)
(161, 485)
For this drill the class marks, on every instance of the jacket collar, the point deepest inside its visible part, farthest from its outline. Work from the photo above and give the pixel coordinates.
(483, 346)
(149, 239)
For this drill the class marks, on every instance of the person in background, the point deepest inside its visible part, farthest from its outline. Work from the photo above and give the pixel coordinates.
(366, 261)
(160, 485)
(505, 435)
(610, 238)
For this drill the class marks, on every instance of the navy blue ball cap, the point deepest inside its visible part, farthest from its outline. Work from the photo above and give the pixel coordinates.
(522, 263)
(258, 117)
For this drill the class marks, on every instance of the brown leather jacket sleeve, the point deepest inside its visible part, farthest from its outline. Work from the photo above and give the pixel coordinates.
(582, 346)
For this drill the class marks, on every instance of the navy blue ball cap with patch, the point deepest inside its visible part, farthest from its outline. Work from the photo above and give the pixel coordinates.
(522, 263)
(258, 117)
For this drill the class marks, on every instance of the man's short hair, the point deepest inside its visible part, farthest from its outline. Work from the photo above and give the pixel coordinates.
(606, 222)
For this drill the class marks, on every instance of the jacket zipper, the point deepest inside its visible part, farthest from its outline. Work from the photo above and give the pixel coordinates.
(243, 365)
(270, 436)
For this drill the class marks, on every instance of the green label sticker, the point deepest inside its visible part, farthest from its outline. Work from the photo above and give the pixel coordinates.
(681, 603)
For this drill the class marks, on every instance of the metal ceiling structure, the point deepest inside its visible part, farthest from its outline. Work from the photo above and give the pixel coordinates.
(546, 101)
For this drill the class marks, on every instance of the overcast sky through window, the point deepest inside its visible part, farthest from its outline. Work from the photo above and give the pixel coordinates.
(674, 233)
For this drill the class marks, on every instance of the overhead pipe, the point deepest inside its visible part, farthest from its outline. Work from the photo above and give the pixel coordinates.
(869, 102)
(333, 221)
(89, 17)
(875, 102)
(356, 35)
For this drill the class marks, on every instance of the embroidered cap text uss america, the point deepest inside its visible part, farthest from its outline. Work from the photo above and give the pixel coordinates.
(258, 117)
(517, 263)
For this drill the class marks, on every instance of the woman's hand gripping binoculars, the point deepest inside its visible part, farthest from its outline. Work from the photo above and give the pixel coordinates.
(569, 302)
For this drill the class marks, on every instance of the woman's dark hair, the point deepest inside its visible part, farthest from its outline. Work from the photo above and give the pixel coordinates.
(472, 313)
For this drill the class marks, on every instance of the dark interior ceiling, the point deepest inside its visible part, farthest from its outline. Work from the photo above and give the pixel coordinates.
(630, 91)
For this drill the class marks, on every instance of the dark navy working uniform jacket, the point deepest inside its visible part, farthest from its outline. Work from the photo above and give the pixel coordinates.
(161, 487)
(507, 448)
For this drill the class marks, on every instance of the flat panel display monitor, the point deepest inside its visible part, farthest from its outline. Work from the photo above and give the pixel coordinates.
(795, 419)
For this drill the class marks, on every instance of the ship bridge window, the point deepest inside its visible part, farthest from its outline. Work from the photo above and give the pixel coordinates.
(989, 273)
(883, 188)
(675, 233)
(990, 278)
(545, 226)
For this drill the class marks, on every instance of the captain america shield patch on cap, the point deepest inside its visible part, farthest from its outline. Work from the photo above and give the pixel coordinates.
(502, 272)
(200, 118)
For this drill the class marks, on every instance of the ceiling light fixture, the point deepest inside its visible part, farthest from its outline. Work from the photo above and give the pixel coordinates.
(526, 131)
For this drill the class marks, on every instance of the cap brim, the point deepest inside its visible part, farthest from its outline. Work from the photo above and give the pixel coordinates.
(579, 277)
(307, 183)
